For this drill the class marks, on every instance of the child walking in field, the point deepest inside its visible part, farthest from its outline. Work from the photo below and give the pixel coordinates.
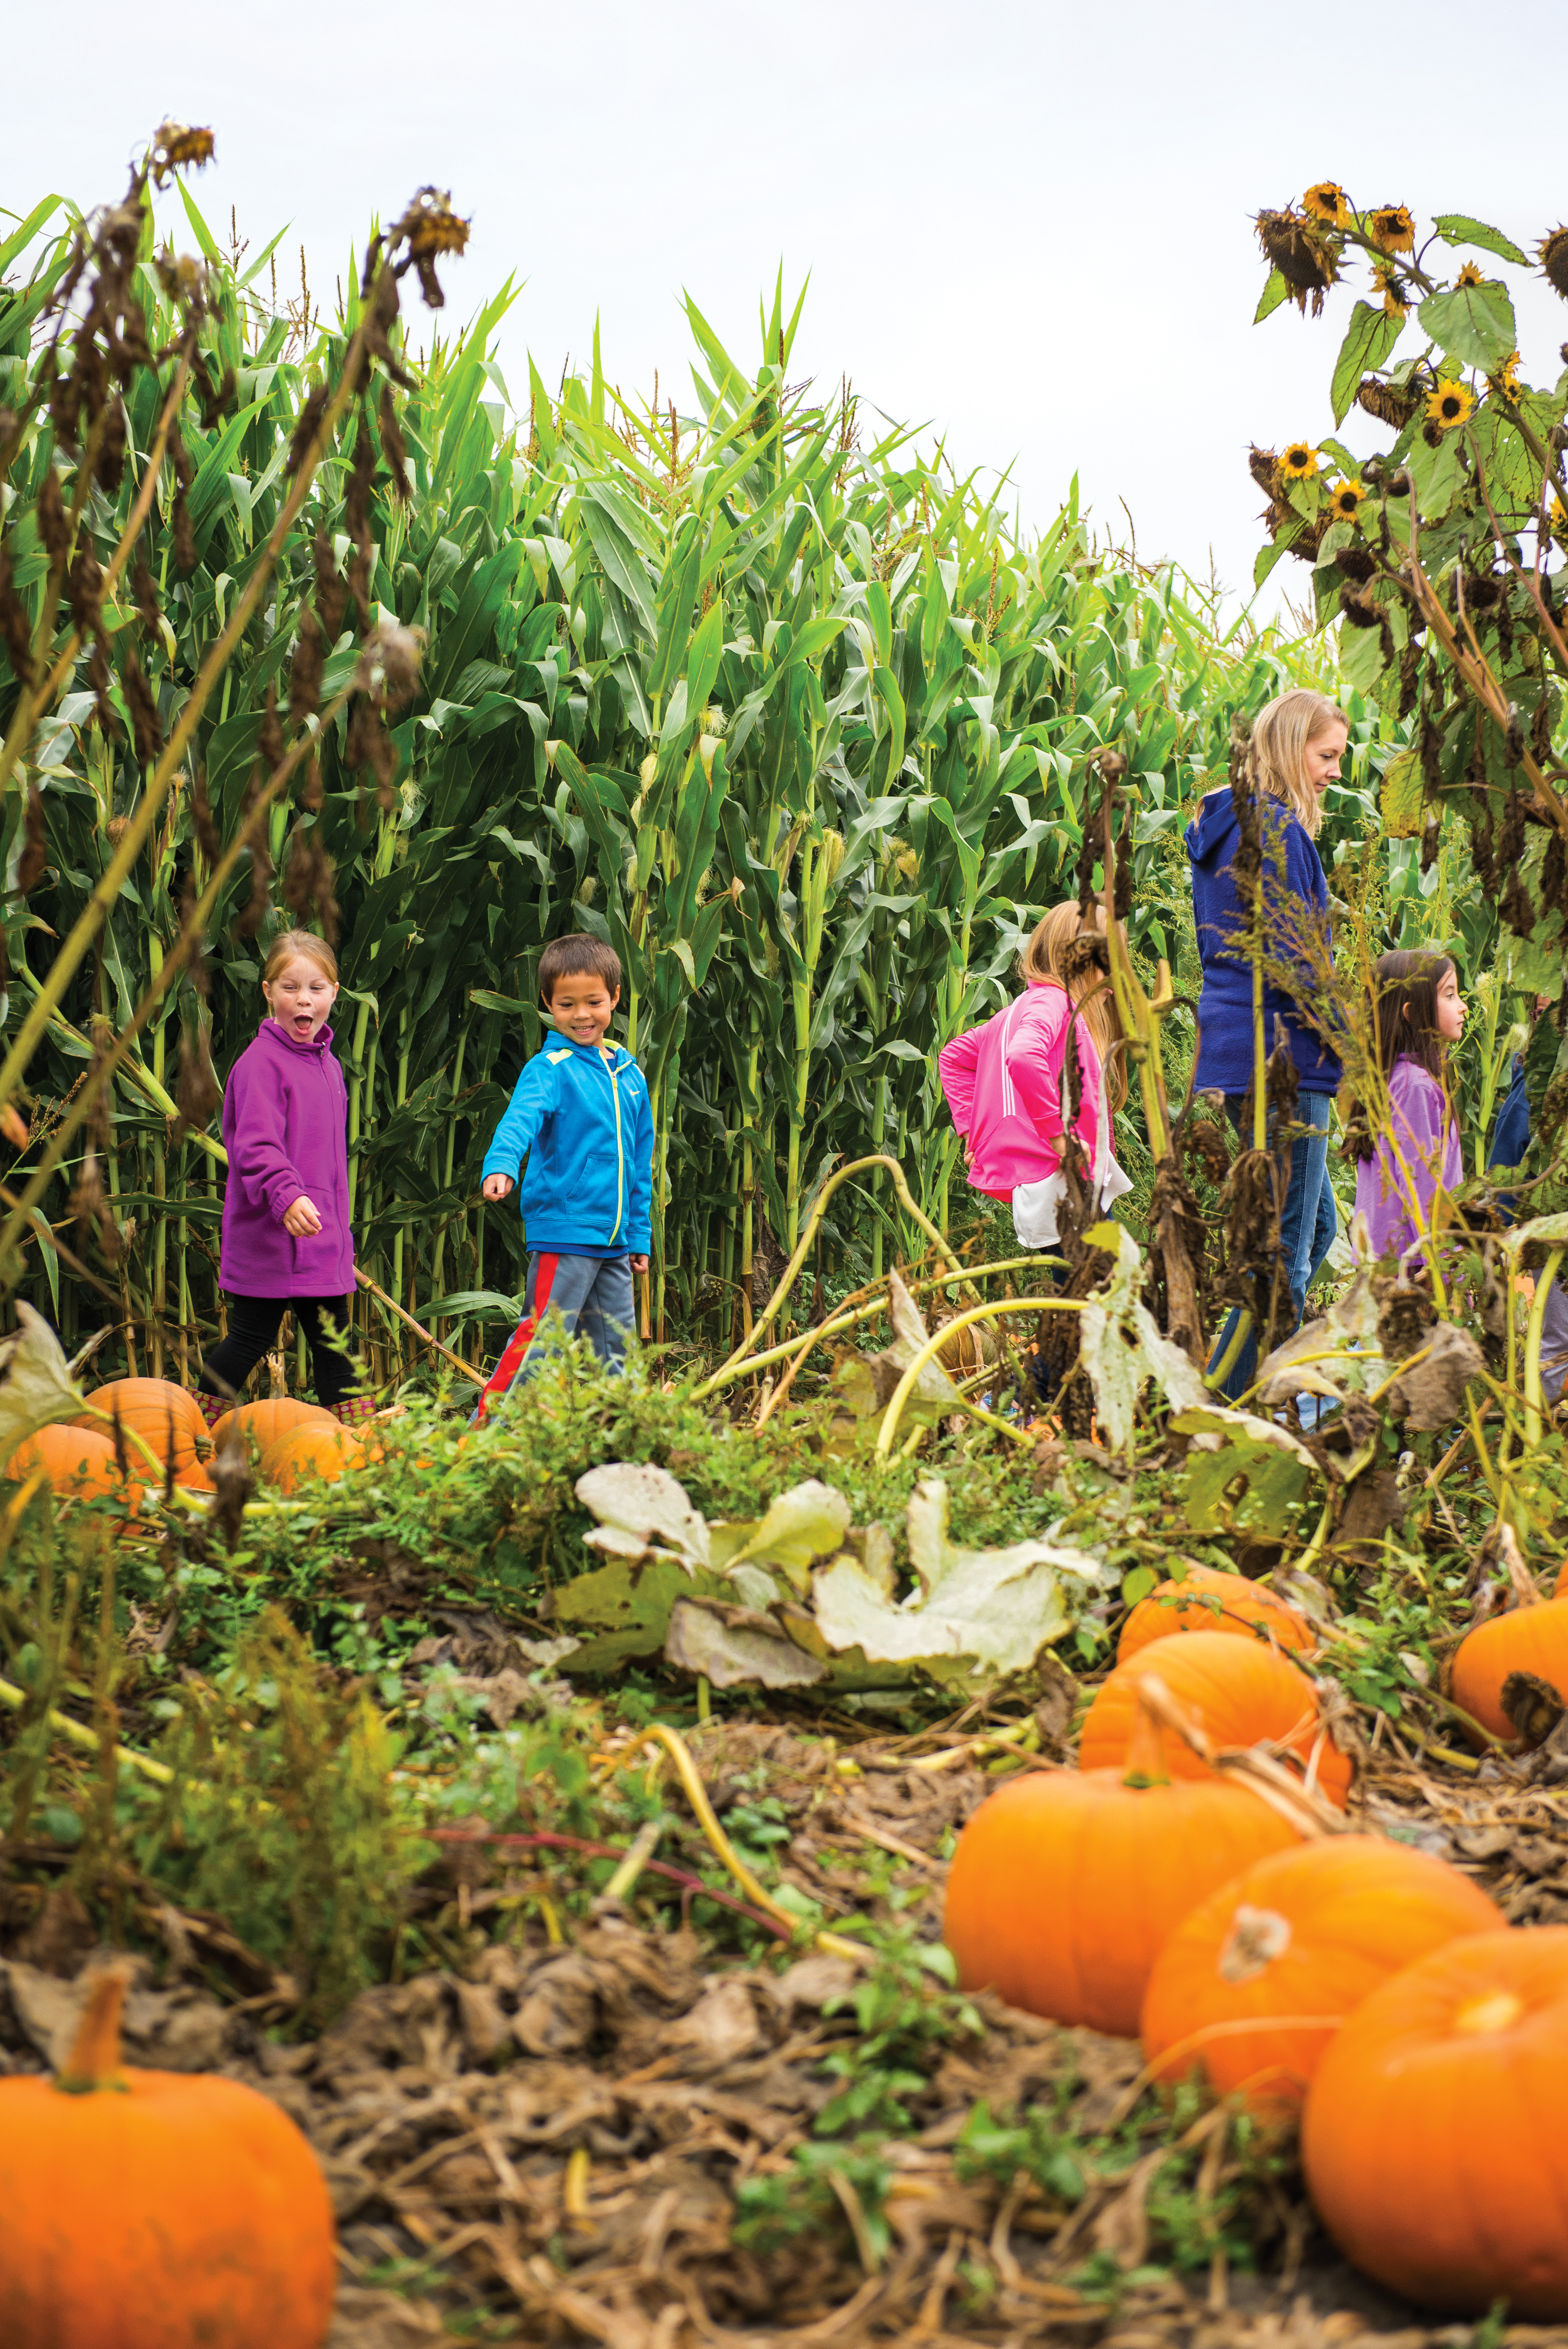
(1417, 1014)
(1005, 1080)
(286, 1237)
(582, 1118)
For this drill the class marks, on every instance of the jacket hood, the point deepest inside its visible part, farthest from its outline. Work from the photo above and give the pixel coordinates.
(1212, 835)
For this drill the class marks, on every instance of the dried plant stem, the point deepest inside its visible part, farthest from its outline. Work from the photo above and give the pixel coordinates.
(1533, 1400)
(934, 1346)
(78, 944)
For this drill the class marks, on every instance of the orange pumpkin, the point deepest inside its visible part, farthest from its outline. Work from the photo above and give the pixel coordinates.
(73, 1460)
(328, 1451)
(1253, 1982)
(167, 1418)
(1431, 2140)
(1199, 1600)
(1526, 1639)
(155, 2210)
(1237, 1691)
(264, 1422)
(1066, 1883)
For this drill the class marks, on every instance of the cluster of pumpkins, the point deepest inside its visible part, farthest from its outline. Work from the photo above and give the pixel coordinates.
(1364, 1985)
(80, 1458)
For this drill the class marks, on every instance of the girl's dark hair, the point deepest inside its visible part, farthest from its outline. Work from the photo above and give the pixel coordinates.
(1405, 1009)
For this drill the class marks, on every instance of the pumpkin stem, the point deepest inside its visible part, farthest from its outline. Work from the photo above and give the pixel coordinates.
(1146, 1746)
(94, 2062)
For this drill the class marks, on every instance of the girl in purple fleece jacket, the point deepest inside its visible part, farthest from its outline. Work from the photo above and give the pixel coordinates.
(286, 1241)
(1417, 1014)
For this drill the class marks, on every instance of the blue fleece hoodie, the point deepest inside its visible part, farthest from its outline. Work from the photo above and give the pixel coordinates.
(580, 1116)
(1296, 897)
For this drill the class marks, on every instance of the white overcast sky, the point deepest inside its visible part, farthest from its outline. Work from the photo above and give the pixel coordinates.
(1029, 227)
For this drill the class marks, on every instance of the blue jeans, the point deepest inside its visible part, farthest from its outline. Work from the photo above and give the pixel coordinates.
(1308, 1222)
(593, 1296)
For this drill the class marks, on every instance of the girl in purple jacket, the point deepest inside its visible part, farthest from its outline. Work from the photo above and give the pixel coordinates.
(1417, 1014)
(286, 1241)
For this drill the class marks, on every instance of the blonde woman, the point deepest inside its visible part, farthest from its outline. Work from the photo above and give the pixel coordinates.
(1004, 1082)
(1298, 743)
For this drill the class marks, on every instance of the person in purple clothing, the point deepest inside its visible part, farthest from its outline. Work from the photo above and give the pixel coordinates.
(1417, 1014)
(286, 1242)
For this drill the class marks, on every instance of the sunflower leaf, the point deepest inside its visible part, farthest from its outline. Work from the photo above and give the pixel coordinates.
(1269, 555)
(1474, 324)
(1372, 335)
(1457, 228)
(1273, 293)
(1401, 799)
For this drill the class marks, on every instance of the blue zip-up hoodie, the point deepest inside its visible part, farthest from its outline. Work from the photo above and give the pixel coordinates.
(1295, 897)
(580, 1116)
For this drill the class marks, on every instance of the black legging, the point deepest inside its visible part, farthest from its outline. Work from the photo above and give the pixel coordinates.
(253, 1326)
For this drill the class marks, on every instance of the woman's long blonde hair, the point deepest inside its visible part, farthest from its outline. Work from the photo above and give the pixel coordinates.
(1276, 756)
(1071, 951)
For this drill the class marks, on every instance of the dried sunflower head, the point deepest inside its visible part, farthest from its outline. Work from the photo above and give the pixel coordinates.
(1450, 404)
(1346, 501)
(1552, 254)
(1306, 264)
(1386, 401)
(1298, 463)
(1392, 229)
(1328, 202)
(1470, 276)
(177, 146)
(1262, 465)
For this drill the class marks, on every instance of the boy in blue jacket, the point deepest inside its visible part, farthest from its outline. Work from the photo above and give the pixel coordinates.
(581, 1117)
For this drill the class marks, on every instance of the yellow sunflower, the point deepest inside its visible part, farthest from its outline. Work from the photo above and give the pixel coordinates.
(1559, 519)
(1392, 230)
(1329, 203)
(1506, 379)
(1450, 404)
(1346, 500)
(1298, 463)
(1469, 275)
(1393, 288)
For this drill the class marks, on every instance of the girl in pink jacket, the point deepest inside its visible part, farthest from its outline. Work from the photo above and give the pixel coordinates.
(1004, 1080)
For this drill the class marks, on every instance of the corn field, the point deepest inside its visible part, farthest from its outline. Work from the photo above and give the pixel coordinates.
(795, 718)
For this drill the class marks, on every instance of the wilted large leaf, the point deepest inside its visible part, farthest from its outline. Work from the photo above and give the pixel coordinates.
(35, 1383)
(979, 1615)
(867, 1382)
(1430, 1393)
(1121, 1348)
(624, 1609)
(805, 1524)
(1344, 1341)
(736, 1646)
(643, 1512)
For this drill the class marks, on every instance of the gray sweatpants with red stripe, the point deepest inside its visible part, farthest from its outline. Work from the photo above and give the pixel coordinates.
(593, 1295)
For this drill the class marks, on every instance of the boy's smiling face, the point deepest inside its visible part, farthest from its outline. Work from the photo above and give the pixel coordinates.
(583, 1007)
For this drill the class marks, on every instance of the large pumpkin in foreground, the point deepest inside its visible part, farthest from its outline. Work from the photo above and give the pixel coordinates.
(1066, 1883)
(1254, 1981)
(1199, 1600)
(1531, 1640)
(155, 2210)
(1433, 2137)
(1238, 1691)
